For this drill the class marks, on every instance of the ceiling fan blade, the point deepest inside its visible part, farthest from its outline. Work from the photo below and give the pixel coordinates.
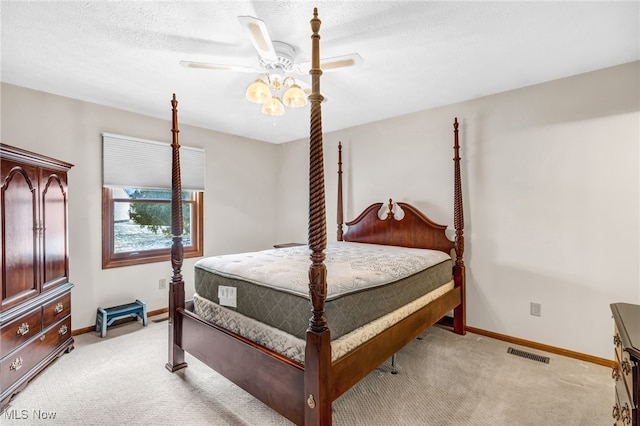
(344, 61)
(333, 64)
(217, 67)
(259, 37)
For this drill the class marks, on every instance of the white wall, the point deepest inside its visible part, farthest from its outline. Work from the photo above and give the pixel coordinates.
(551, 197)
(239, 206)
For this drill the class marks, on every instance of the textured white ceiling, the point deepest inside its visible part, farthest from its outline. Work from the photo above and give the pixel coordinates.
(417, 54)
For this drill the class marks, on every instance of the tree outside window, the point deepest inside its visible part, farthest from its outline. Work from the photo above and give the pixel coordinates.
(137, 226)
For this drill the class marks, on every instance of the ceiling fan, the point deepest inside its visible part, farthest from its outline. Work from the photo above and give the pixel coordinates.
(276, 61)
(276, 56)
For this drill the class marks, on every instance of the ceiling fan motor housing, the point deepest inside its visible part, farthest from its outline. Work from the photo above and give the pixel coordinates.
(285, 55)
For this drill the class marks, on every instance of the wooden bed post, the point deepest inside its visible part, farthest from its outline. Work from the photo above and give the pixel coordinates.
(340, 215)
(459, 315)
(176, 287)
(317, 368)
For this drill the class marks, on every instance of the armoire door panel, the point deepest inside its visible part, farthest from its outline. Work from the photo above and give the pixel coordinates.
(53, 213)
(19, 233)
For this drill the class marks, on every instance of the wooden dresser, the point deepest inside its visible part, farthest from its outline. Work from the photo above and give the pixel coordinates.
(626, 373)
(35, 304)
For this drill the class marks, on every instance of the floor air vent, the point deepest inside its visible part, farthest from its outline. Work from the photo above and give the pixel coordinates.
(528, 355)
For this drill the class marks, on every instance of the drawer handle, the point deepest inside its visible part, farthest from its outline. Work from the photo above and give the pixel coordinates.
(63, 330)
(616, 340)
(23, 329)
(16, 364)
(615, 373)
(311, 402)
(59, 308)
(626, 367)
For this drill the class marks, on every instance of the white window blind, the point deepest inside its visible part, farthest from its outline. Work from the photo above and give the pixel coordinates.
(129, 162)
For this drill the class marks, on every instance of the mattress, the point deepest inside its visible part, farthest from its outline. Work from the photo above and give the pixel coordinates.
(364, 282)
(293, 347)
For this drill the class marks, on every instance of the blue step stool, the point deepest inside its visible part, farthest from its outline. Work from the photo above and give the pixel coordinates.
(106, 317)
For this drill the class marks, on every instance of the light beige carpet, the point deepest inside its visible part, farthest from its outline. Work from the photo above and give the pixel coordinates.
(444, 379)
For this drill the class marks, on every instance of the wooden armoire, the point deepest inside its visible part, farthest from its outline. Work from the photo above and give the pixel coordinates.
(35, 307)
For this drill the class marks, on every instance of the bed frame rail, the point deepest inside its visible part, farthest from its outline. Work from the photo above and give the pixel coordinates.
(350, 369)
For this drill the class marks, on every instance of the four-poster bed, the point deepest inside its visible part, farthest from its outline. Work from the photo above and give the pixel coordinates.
(302, 385)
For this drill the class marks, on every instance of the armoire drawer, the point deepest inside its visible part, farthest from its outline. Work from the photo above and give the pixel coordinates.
(19, 331)
(56, 309)
(14, 366)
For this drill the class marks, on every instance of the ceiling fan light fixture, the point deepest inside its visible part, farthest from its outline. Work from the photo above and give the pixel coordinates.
(294, 97)
(258, 92)
(273, 107)
(276, 59)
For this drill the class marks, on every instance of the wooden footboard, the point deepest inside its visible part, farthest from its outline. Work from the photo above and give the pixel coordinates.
(278, 381)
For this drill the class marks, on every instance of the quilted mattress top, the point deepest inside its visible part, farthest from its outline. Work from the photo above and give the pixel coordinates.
(351, 267)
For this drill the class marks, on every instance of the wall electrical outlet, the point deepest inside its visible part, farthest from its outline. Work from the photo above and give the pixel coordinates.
(536, 309)
(162, 284)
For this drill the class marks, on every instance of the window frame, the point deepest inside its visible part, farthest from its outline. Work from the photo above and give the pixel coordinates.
(116, 260)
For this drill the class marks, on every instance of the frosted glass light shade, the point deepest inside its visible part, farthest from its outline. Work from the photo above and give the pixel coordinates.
(294, 97)
(273, 107)
(258, 92)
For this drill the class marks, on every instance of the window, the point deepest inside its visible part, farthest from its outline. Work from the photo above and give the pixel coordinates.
(136, 226)
(136, 201)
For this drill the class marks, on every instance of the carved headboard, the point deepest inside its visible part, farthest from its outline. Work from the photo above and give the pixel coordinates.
(413, 230)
